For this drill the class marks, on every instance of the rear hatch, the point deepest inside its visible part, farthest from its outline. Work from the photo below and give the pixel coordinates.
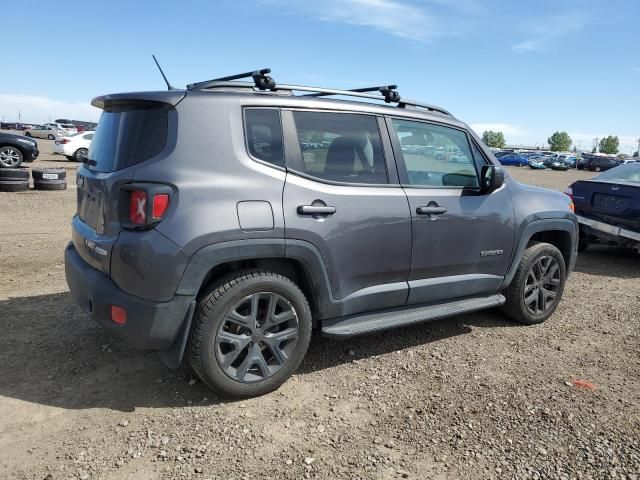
(133, 128)
(613, 203)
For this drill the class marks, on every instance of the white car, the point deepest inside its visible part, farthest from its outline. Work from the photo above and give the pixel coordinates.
(74, 147)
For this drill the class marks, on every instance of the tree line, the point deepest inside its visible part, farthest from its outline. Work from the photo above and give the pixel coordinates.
(558, 142)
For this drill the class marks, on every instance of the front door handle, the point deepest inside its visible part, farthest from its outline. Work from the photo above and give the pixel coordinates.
(316, 210)
(431, 210)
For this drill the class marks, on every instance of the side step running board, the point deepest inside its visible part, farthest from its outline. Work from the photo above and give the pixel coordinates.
(362, 324)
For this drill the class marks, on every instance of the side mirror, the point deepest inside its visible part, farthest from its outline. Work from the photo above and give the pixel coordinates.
(491, 178)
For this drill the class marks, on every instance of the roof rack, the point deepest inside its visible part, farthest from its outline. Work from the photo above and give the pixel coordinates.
(262, 81)
(389, 92)
(260, 78)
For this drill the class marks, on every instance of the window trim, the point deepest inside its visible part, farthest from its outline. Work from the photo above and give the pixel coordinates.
(403, 174)
(282, 167)
(295, 160)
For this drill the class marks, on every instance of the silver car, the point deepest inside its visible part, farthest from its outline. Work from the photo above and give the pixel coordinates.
(46, 131)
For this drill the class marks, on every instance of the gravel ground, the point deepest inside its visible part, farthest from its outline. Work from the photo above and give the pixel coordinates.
(474, 396)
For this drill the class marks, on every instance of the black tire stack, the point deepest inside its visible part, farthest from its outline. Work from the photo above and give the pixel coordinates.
(50, 179)
(14, 179)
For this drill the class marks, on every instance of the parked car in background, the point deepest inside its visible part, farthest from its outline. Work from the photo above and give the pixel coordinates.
(74, 147)
(537, 164)
(582, 162)
(568, 160)
(67, 127)
(608, 207)
(601, 163)
(15, 149)
(513, 159)
(45, 131)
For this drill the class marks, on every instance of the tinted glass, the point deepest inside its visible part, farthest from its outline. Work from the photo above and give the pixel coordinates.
(435, 156)
(623, 173)
(264, 135)
(126, 136)
(341, 147)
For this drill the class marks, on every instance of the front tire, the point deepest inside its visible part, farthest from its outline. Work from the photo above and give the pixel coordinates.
(536, 288)
(250, 333)
(51, 137)
(27, 134)
(10, 157)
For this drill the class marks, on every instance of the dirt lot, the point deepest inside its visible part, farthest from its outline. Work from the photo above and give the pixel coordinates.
(470, 397)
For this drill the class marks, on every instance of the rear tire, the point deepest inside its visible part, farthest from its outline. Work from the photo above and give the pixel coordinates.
(27, 134)
(51, 137)
(243, 345)
(536, 288)
(80, 155)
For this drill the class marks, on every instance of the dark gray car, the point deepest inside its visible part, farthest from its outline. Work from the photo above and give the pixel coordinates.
(233, 217)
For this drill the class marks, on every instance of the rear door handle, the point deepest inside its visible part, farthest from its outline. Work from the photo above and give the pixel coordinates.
(431, 210)
(316, 210)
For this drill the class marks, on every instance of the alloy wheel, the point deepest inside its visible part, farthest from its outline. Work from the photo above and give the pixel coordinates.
(541, 285)
(256, 337)
(9, 157)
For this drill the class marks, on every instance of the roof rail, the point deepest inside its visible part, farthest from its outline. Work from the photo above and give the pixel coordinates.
(263, 82)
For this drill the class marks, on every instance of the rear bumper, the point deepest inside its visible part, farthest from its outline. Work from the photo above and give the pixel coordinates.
(609, 229)
(150, 325)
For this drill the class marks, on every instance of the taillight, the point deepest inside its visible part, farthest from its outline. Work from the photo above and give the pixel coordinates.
(160, 205)
(143, 205)
(138, 207)
(62, 141)
(569, 192)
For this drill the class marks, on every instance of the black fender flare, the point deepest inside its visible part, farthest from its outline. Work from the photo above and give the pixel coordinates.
(301, 251)
(207, 258)
(535, 224)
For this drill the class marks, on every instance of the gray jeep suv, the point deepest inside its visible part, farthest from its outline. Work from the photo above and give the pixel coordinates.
(225, 221)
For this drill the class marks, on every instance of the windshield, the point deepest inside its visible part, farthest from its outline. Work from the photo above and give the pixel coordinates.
(128, 135)
(623, 173)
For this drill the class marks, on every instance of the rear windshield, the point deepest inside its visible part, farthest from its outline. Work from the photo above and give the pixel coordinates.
(623, 173)
(127, 135)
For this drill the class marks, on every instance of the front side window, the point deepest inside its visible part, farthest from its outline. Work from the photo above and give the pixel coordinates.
(341, 147)
(435, 156)
(264, 135)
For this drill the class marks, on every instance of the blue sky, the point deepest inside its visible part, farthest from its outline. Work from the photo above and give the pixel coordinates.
(525, 67)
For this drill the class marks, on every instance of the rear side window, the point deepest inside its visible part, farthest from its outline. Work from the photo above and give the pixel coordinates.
(341, 147)
(127, 135)
(263, 130)
(435, 156)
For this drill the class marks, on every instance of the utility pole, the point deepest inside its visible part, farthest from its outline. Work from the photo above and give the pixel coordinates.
(639, 147)
(595, 145)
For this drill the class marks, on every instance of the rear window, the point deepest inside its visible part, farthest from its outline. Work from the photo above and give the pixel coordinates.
(127, 135)
(623, 173)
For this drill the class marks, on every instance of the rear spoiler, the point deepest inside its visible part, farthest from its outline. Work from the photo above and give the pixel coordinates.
(141, 99)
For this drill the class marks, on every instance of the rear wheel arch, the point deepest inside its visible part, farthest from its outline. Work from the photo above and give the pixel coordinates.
(302, 265)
